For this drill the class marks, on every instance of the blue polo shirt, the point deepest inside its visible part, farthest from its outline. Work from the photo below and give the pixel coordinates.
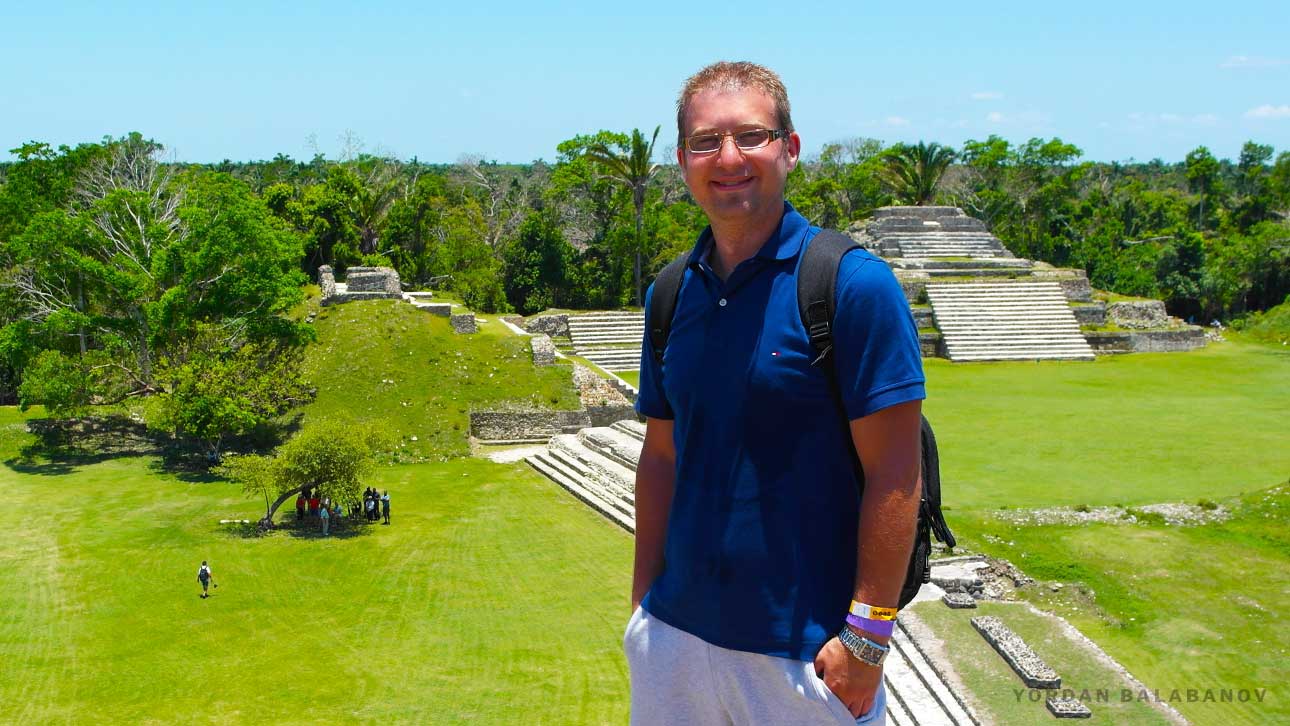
(760, 551)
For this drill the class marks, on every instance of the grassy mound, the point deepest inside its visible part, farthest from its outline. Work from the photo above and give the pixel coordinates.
(1269, 326)
(388, 362)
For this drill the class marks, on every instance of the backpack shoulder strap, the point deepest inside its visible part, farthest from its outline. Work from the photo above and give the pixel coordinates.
(667, 286)
(817, 284)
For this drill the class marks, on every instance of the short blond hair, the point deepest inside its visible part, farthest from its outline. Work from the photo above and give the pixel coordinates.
(733, 76)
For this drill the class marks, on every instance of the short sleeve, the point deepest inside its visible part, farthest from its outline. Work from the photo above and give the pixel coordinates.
(651, 401)
(875, 341)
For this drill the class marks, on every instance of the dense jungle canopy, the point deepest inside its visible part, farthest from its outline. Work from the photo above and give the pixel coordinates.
(124, 274)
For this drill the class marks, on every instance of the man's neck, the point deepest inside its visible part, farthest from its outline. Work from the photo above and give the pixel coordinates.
(736, 240)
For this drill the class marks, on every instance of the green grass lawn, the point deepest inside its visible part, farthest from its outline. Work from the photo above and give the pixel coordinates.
(494, 598)
(498, 598)
(1148, 427)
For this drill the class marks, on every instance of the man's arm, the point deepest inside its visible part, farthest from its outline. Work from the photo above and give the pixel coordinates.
(888, 444)
(655, 482)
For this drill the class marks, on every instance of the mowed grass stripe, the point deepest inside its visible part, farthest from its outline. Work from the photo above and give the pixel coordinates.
(1136, 429)
(493, 598)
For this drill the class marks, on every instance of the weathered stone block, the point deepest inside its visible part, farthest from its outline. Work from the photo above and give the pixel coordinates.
(556, 326)
(1090, 314)
(1032, 669)
(463, 323)
(443, 310)
(1139, 314)
(373, 279)
(1168, 341)
(1068, 708)
(1104, 343)
(327, 281)
(543, 350)
(958, 600)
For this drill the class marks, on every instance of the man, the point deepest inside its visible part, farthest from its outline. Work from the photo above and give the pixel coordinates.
(385, 506)
(751, 539)
(206, 578)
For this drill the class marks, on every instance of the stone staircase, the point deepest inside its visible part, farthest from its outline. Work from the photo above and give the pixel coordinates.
(611, 340)
(948, 244)
(1006, 321)
(597, 465)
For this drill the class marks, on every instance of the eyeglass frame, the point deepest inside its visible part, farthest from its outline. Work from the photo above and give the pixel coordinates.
(774, 134)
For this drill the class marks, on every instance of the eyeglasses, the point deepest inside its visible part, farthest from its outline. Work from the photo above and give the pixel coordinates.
(746, 140)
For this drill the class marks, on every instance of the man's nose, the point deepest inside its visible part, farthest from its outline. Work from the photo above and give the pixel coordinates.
(729, 152)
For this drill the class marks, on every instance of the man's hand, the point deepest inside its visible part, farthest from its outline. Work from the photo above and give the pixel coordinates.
(854, 683)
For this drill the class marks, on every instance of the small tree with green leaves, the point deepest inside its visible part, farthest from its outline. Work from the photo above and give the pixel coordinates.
(914, 172)
(329, 457)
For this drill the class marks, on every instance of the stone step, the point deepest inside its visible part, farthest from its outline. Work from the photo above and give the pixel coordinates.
(612, 474)
(979, 272)
(571, 466)
(613, 444)
(1014, 321)
(635, 429)
(942, 706)
(575, 486)
(1020, 355)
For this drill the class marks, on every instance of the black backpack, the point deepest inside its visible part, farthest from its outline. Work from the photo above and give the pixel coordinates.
(816, 287)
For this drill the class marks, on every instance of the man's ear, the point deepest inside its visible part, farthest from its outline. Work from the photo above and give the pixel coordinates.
(680, 156)
(793, 147)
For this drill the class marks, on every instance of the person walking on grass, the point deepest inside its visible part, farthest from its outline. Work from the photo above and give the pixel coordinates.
(206, 578)
(326, 520)
(385, 506)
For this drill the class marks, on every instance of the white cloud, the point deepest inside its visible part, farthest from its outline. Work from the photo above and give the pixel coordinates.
(1246, 61)
(1267, 110)
(987, 96)
(1170, 118)
(896, 121)
(995, 117)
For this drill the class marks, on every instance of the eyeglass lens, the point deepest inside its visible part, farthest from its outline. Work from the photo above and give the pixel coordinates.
(746, 140)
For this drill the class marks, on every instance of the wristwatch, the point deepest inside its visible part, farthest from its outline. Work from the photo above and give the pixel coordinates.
(865, 650)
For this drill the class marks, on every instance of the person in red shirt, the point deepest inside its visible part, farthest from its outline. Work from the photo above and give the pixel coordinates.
(313, 504)
(300, 507)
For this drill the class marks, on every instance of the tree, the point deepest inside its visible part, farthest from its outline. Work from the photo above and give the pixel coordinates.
(219, 390)
(537, 265)
(914, 172)
(1202, 179)
(632, 168)
(137, 261)
(329, 457)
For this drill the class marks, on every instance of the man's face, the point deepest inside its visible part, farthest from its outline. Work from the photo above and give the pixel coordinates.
(732, 184)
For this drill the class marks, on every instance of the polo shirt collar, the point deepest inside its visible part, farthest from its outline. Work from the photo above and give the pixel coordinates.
(784, 243)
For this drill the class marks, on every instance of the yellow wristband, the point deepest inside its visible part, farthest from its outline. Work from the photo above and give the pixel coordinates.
(861, 610)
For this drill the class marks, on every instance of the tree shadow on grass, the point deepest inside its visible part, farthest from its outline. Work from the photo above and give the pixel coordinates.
(308, 528)
(62, 446)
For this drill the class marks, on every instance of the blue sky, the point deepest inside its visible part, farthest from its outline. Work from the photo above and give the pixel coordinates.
(510, 80)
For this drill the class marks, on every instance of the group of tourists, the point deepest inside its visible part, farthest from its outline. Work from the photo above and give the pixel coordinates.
(376, 505)
(324, 510)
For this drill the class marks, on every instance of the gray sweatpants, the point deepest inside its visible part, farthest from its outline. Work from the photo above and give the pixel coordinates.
(678, 678)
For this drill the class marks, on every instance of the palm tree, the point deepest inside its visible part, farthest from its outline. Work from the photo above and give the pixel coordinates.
(632, 170)
(913, 172)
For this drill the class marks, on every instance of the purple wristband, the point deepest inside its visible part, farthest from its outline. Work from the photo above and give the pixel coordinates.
(877, 627)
